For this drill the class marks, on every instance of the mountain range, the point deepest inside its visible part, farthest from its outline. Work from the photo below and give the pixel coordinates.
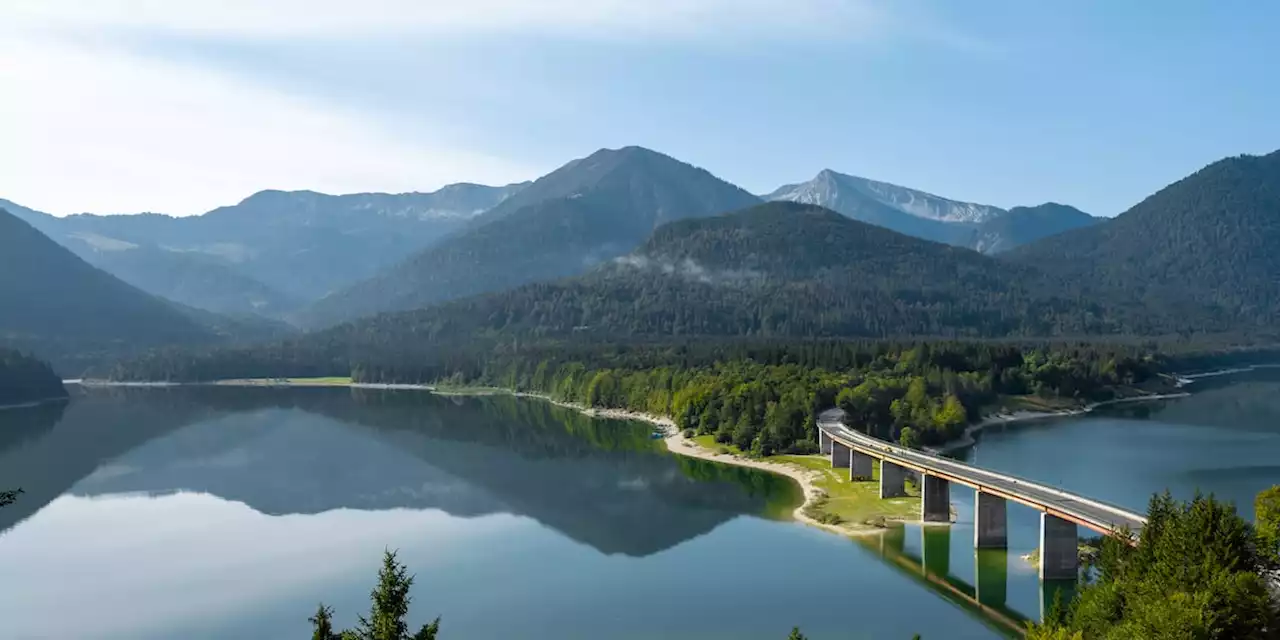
(584, 213)
(272, 252)
(68, 311)
(631, 243)
(315, 259)
(775, 270)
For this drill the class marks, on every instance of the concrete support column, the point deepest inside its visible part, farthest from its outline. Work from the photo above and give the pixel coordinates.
(860, 466)
(1058, 556)
(824, 442)
(892, 480)
(990, 521)
(935, 500)
(839, 455)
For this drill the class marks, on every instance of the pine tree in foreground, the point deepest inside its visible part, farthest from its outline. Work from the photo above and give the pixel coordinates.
(390, 604)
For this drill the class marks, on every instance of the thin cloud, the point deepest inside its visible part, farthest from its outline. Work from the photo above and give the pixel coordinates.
(453, 18)
(98, 130)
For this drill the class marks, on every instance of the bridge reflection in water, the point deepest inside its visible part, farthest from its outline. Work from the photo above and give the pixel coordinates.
(923, 553)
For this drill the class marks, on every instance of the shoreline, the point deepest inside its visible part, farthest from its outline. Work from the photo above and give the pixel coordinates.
(967, 439)
(674, 439)
(34, 403)
(677, 444)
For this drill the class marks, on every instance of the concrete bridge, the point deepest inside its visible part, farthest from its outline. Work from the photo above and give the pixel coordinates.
(1060, 511)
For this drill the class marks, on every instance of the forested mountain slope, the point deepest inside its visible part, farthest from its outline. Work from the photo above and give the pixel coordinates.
(779, 270)
(587, 212)
(1211, 239)
(1021, 225)
(55, 304)
(25, 379)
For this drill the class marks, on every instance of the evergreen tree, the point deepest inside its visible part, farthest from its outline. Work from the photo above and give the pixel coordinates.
(322, 624)
(9, 497)
(1195, 573)
(390, 604)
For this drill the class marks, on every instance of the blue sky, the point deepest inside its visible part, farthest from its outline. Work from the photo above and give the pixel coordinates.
(131, 105)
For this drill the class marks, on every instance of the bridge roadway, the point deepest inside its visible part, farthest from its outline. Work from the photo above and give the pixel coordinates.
(1092, 514)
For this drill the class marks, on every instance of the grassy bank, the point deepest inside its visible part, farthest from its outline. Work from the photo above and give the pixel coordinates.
(843, 502)
(854, 503)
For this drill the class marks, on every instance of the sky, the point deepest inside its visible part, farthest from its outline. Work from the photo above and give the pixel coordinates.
(124, 106)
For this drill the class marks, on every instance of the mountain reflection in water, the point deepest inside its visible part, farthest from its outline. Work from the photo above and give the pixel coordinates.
(304, 451)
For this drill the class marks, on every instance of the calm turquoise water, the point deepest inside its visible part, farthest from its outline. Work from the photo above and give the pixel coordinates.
(229, 513)
(217, 513)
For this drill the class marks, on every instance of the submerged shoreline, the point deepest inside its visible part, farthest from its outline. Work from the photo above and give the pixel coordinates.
(34, 403)
(967, 440)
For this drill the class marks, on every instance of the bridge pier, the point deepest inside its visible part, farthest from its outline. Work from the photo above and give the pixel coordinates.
(1059, 558)
(892, 480)
(840, 455)
(824, 442)
(935, 499)
(990, 521)
(860, 466)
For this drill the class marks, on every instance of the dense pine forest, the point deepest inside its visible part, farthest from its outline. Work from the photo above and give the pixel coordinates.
(1198, 571)
(25, 379)
(1204, 244)
(764, 400)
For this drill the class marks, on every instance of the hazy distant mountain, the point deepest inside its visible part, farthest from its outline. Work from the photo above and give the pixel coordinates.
(1021, 225)
(271, 252)
(55, 304)
(1208, 240)
(584, 213)
(195, 279)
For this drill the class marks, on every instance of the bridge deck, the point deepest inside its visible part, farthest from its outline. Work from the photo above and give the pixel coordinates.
(1087, 512)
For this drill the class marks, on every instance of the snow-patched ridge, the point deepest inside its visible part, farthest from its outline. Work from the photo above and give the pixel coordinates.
(839, 192)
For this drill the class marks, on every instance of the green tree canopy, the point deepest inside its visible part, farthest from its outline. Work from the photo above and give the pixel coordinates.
(390, 605)
(1266, 509)
(1195, 573)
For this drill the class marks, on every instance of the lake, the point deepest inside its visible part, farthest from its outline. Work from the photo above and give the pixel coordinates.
(216, 512)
